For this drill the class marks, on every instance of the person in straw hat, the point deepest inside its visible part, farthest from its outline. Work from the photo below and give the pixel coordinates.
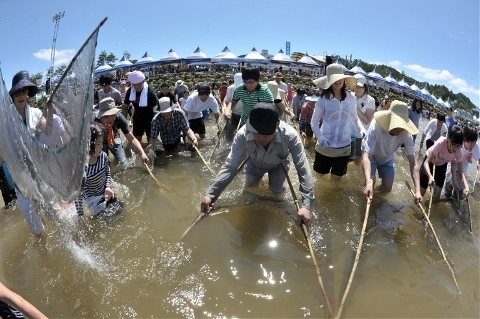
(171, 124)
(338, 109)
(278, 95)
(386, 133)
(109, 117)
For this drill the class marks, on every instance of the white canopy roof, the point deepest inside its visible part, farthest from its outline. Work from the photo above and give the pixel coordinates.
(197, 54)
(226, 54)
(281, 57)
(415, 87)
(146, 58)
(103, 68)
(403, 83)
(254, 55)
(357, 69)
(337, 61)
(389, 78)
(306, 59)
(124, 62)
(374, 74)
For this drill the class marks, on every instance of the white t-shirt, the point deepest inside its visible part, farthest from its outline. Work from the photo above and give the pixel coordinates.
(57, 130)
(283, 86)
(228, 98)
(382, 146)
(182, 101)
(470, 157)
(363, 104)
(194, 106)
(431, 128)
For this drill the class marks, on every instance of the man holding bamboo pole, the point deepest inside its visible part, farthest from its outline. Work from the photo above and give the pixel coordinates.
(267, 142)
(387, 132)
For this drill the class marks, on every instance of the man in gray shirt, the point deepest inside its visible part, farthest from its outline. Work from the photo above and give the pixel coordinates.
(267, 142)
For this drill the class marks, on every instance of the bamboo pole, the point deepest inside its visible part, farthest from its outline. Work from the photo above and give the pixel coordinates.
(214, 200)
(436, 239)
(431, 192)
(307, 237)
(218, 141)
(357, 258)
(468, 203)
(204, 162)
(156, 180)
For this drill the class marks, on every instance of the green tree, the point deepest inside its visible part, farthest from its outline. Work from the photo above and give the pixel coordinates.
(109, 58)
(36, 76)
(60, 70)
(127, 55)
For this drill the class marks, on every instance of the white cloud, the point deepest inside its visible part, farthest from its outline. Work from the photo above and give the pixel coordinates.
(395, 63)
(61, 56)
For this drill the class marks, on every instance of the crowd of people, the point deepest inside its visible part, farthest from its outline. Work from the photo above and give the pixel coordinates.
(266, 125)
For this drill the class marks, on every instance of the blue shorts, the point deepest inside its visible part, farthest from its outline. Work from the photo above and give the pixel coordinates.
(385, 170)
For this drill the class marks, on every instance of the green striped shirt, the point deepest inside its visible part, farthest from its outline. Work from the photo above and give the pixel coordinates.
(261, 94)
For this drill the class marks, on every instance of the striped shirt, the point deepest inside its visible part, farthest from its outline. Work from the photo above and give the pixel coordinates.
(261, 94)
(95, 180)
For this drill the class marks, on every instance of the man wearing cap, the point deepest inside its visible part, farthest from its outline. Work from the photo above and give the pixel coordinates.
(171, 124)
(365, 111)
(180, 89)
(387, 132)
(144, 101)
(198, 102)
(250, 93)
(107, 90)
(112, 121)
(268, 143)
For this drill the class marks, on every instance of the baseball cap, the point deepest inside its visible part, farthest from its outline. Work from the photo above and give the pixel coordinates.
(263, 119)
(203, 88)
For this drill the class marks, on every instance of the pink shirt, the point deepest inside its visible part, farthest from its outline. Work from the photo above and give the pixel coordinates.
(289, 93)
(307, 112)
(441, 154)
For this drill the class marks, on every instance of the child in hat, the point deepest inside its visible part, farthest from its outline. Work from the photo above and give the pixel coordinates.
(306, 116)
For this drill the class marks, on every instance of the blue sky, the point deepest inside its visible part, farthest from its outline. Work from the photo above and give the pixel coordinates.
(433, 41)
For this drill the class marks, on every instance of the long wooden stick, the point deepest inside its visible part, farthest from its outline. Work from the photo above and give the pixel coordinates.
(307, 237)
(436, 239)
(357, 258)
(214, 200)
(218, 141)
(468, 203)
(156, 180)
(204, 162)
(431, 192)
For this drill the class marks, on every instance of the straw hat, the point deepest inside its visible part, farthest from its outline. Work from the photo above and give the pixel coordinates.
(107, 107)
(395, 117)
(165, 106)
(334, 74)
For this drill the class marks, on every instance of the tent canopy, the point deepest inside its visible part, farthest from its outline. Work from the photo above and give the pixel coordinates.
(357, 69)
(255, 57)
(103, 68)
(337, 61)
(375, 75)
(281, 58)
(170, 57)
(197, 57)
(308, 61)
(225, 57)
(145, 60)
(389, 78)
(124, 63)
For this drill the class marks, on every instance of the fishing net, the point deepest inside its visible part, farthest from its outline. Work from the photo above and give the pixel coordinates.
(52, 173)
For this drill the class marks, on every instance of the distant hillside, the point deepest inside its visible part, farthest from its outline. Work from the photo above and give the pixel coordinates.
(458, 100)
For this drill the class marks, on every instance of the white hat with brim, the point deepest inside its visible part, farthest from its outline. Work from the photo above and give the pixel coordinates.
(165, 105)
(334, 74)
(396, 117)
(107, 107)
(311, 98)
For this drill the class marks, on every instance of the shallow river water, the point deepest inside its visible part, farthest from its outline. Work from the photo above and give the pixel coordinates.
(248, 258)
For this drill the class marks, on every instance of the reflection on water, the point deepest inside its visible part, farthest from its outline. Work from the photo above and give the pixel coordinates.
(249, 258)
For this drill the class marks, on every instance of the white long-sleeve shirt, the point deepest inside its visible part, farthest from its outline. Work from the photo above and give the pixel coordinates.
(431, 128)
(339, 118)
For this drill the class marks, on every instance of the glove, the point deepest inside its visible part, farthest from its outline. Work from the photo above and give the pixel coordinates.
(152, 153)
(323, 142)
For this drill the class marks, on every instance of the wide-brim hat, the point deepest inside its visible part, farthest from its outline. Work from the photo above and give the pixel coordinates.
(311, 98)
(107, 107)
(396, 117)
(334, 74)
(22, 80)
(179, 82)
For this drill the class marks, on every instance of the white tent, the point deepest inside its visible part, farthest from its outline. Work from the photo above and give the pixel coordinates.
(415, 88)
(146, 59)
(225, 57)
(197, 57)
(124, 63)
(281, 58)
(255, 57)
(170, 57)
(390, 79)
(357, 69)
(308, 61)
(103, 68)
(375, 75)
(404, 84)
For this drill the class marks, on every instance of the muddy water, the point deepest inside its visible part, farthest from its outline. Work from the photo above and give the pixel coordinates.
(248, 259)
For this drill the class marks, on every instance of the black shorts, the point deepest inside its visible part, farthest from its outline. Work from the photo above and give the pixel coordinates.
(197, 125)
(308, 130)
(333, 165)
(440, 172)
(142, 121)
(171, 147)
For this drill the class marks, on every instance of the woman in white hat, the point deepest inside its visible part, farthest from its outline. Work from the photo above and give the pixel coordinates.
(365, 111)
(306, 116)
(338, 109)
